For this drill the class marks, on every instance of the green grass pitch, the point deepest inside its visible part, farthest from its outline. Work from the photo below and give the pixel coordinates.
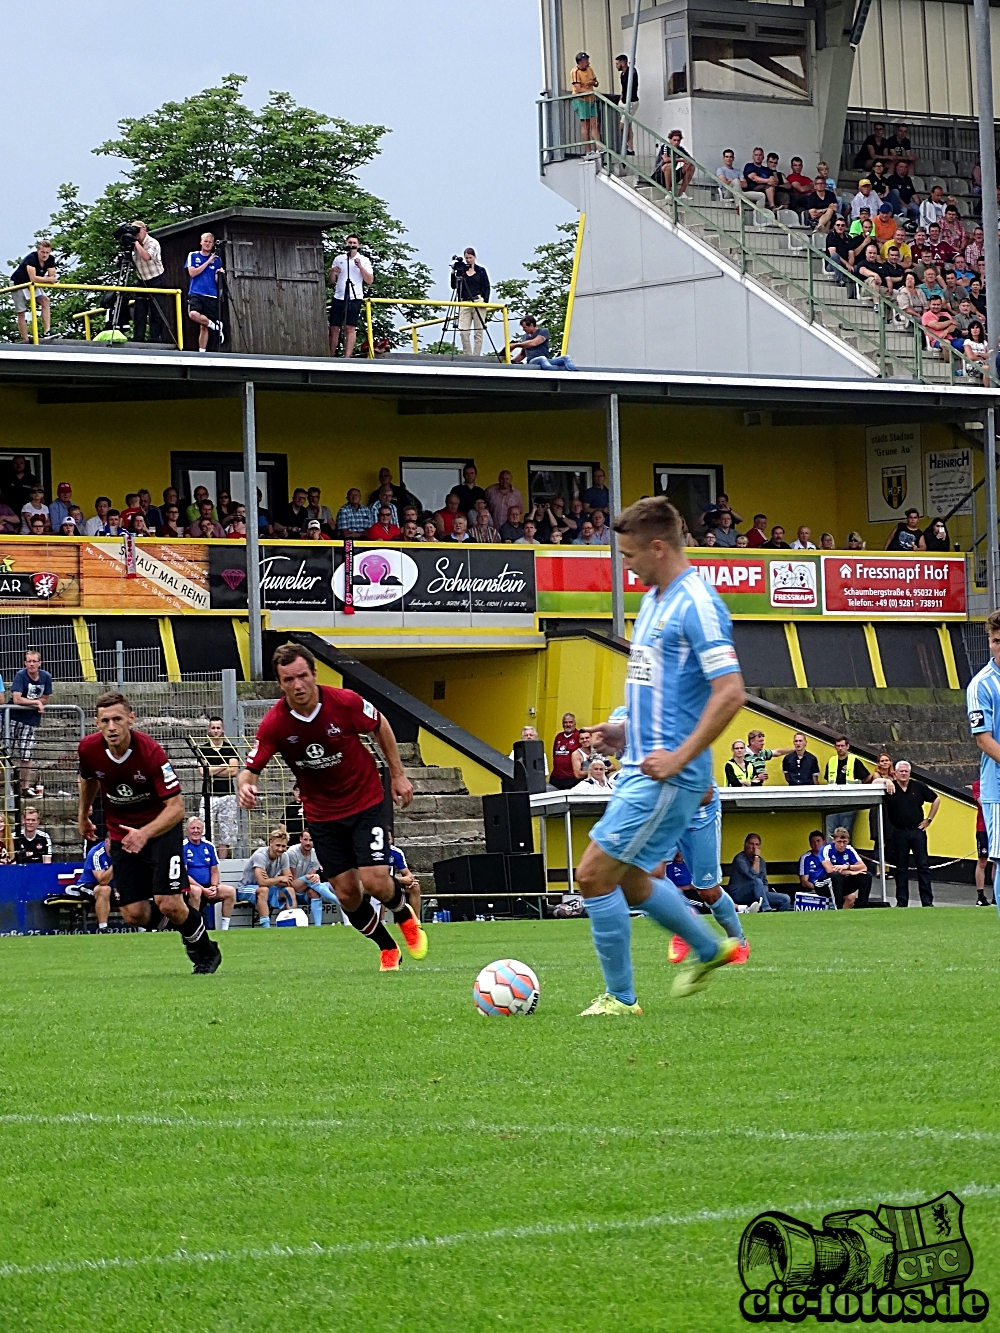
(301, 1143)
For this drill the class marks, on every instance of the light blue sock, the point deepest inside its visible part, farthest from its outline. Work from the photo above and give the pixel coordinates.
(668, 907)
(725, 913)
(326, 893)
(265, 921)
(316, 907)
(611, 928)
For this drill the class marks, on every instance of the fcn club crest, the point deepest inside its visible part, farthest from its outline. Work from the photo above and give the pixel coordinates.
(894, 486)
(931, 1248)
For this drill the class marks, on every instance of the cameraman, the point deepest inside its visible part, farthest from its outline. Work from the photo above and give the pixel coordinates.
(149, 272)
(470, 282)
(350, 273)
(203, 268)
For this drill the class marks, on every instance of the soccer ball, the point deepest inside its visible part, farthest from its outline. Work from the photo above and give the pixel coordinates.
(291, 916)
(506, 988)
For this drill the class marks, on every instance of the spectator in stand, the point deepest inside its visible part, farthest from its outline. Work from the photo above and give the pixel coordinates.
(739, 770)
(977, 348)
(932, 209)
(35, 508)
(728, 174)
(907, 536)
(201, 861)
(206, 511)
(411, 532)
(799, 186)
(501, 496)
(583, 81)
(892, 271)
(977, 295)
(741, 541)
(874, 149)
(902, 192)
(400, 496)
(29, 691)
(930, 285)
(385, 530)
(59, 507)
(193, 511)
(10, 522)
(907, 832)
(757, 535)
(842, 769)
(863, 199)
(38, 267)
(384, 499)
(975, 250)
(602, 533)
(910, 298)
(942, 251)
(902, 248)
(132, 508)
(586, 537)
(430, 529)
(575, 516)
(802, 540)
(222, 763)
(353, 518)
(709, 538)
(938, 323)
(512, 530)
(869, 270)
(533, 349)
(459, 530)
(484, 531)
(800, 767)
(952, 230)
(267, 874)
(562, 776)
(777, 541)
(759, 758)
(820, 206)
(812, 873)
(885, 225)
(446, 517)
(294, 516)
(236, 524)
(137, 527)
(170, 497)
(295, 819)
(839, 251)
(826, 542)
(33, 846)
(170, 527)
(685, 166)
(39, 526)
(720, 505)
(748, 884)
(203, 268)
(97, 875)
(782, 194)
(900, 148)
(597, 496)
(481, 507)
(18, 480)
(151, 512)
(350, 273)
(307, 878)
(760, 177)
(469, 491)
(527, 537)
(854, 542)
(850, 880)
(954, 293)
(316, 508)
(113, 526)
(554, 520)
(725, 533)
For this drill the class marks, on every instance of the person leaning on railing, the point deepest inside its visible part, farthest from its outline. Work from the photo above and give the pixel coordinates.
(39, 267)
(583, 80)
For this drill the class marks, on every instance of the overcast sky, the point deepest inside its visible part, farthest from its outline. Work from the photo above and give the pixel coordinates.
(454, 80)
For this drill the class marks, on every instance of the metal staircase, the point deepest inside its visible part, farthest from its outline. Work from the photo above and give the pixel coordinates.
(788, 260)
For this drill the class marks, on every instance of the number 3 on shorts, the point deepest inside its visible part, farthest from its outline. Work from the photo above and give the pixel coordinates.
(378, 838)
(174, 870)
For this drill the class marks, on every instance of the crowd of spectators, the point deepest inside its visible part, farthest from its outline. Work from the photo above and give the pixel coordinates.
(720, 524)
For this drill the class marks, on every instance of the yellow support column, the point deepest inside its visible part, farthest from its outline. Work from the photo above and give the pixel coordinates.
(87, 667)
(948, 653)
(871, 638)
(241, 629)
(169, 649)
(575, 273)
(795, 653)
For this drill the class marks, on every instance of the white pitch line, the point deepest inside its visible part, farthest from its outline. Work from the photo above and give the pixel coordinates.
(124, 1263)
(82, 1119)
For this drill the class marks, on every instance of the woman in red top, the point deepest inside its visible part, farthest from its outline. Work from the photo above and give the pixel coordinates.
(384, 530)
(568, 740)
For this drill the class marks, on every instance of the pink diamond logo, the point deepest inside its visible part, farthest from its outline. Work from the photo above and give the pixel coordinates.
(232, 578)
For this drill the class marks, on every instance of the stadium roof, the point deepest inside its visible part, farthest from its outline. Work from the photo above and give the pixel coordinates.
(62, 372)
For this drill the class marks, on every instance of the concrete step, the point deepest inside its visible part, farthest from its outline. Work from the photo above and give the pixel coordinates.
(459, 829)
(422, 855)
(444, 806)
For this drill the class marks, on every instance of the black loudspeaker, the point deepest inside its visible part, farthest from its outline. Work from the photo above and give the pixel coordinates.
(507, 816)
(526, 874)
(481, 875)
(529, 767)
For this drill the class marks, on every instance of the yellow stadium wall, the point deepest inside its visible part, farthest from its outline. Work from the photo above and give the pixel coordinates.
(813, 475)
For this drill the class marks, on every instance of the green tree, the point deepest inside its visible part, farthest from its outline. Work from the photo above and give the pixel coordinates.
(212, 151)
(546, 292)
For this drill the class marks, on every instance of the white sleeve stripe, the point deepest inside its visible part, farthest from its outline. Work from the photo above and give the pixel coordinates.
(706, 609)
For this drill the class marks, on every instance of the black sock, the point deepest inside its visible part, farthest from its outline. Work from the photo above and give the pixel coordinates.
(156, 918)
(398, 905)
(366, 920)
(193, 932)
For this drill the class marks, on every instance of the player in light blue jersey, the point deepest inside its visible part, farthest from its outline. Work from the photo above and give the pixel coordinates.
(983, 700)
(683, 687)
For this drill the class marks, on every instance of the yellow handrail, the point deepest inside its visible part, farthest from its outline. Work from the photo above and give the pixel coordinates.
(86, 316)
(571, 299)
(32, 287)
(450, 305)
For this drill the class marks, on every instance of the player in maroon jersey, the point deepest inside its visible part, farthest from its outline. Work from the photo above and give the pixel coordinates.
(316, 729)
(143, 810)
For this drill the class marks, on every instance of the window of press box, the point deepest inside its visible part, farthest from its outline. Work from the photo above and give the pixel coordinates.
(675, 50)
(754, 59)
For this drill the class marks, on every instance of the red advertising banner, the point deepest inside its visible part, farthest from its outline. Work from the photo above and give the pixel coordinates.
(892, 584)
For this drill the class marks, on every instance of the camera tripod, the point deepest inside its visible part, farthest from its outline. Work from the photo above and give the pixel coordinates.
(118, 313)
(461, 294)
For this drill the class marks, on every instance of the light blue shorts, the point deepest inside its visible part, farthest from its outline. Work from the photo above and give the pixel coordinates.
(991, 818)
(247, 893)
(700, 842)
(645, 820)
